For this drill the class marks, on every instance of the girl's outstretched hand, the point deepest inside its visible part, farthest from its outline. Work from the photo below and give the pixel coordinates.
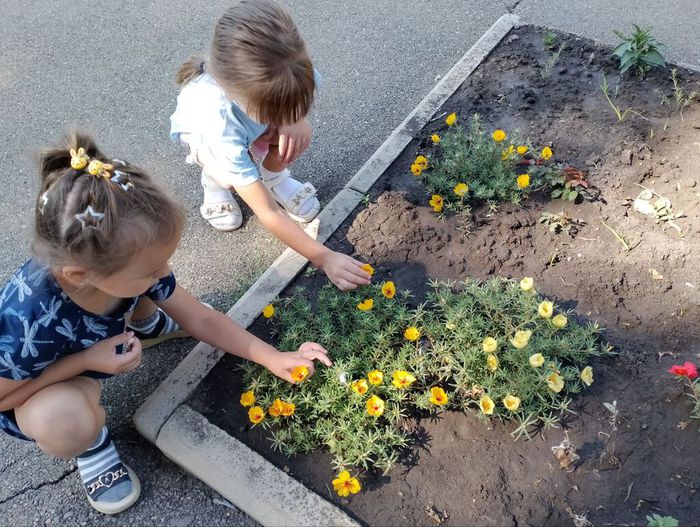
(344, 271)
(283, 365)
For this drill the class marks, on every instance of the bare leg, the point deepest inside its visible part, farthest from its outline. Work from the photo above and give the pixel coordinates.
(144, 309)
(64, 418)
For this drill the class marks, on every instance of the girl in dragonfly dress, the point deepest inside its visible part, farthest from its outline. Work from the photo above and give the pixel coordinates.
(104, 232)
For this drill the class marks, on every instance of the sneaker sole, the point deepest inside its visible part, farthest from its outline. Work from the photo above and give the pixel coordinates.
(149, 343)
(124, 503)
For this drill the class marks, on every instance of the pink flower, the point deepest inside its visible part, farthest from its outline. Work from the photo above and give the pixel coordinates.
(686, 370)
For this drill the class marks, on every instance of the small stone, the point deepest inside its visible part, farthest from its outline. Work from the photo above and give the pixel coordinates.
(68, 515)
(644, 426)
(626, 157)
(513, 38)
(689, 183)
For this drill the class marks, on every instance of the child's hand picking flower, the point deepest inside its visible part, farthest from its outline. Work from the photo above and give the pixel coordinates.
(344, 271)
(290, 366)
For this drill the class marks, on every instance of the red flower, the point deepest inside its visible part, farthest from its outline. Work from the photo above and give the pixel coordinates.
(686, 370)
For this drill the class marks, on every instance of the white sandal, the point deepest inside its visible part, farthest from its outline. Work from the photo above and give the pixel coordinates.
(223, 216)
(303, 196)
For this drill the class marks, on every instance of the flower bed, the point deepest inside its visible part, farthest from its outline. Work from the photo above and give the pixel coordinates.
(631, 272)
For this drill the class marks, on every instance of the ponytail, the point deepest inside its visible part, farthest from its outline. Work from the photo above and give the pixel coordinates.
(192, 68)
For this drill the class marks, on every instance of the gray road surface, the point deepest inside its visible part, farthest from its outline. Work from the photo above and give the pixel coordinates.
(108, 67)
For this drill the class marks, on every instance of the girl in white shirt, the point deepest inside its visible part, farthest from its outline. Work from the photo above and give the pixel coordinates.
(242, 115)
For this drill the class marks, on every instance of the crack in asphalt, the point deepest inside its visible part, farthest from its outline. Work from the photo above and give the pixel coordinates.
(40, 486)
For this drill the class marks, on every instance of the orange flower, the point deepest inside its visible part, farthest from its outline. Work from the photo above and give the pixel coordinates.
(522, 150)
(402, 379)
(416, 169)
(366, 305)
(412, 333)
(359, 386)
(375, 406)
(288, 409)
(435, 138)
(523, 180)
(345, 485)
(256, 414)
(268, 311)
(451, 119)
(498, 135)
(546, 153)
(368, 268)
(438, 396)
(422, 161)
(436, 202)
(299, 373)
(276, 409)
(248, 398)
(375, 377)
(389, 290)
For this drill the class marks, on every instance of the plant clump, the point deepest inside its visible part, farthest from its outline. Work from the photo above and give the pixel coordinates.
(496, 348)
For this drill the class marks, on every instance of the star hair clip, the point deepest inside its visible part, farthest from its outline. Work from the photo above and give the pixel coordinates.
(122, 179)
(90, 218)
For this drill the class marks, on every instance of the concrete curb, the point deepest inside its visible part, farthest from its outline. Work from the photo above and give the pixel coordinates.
(271, 496)
(239, 474)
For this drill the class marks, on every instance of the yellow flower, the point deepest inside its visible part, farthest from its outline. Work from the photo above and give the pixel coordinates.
(486, 405)
(288, 409)
(461, 189)
(523, 180)
(555, 382)
(451, 119)
(375, 406)
(587, 375)
(536, 360)
(389, 290)
(435, 138)
(527, 283)
(256, 414)
(507, 152)
(359, 386)
(545, 309)
(436, 202)
(560, 321)
(402, 379)
(276, 409)
(522, 150)
(521, 339)
(268, 311)
(248, 398)
(366, 305)
(498, 135)
(368, 268)
(546, 153)
(299, 373)
(491, 362)
(375, 377)
(412, 333)
(422, 161)
(416, 169)
(490, 345)
(344, 484)
(438, 396)
(511, 402)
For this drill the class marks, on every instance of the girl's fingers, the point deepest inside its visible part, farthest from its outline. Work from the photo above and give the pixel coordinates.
(282, 145)
(354, 273)
(344, 285)
(318, 355)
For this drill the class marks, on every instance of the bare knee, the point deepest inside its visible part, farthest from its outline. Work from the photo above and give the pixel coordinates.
(62, 419)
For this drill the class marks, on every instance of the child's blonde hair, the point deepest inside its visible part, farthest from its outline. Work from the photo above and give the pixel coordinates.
(130, 211)
(258, 54)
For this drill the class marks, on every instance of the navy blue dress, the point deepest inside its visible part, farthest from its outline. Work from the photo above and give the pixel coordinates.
(39, 324)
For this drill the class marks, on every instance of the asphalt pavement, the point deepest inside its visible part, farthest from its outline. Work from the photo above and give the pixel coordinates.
(107, 67)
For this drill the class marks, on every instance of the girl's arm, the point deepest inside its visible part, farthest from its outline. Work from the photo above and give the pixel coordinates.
(344, 271)
(219, 331)
(101, 357)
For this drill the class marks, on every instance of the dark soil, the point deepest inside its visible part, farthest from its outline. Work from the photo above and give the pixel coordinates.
(648, 298)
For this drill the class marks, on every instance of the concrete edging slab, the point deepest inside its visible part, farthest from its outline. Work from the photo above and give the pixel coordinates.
(188, 438)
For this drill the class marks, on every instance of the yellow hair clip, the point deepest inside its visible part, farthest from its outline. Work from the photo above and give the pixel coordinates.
(79, 159)
(98, 168)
